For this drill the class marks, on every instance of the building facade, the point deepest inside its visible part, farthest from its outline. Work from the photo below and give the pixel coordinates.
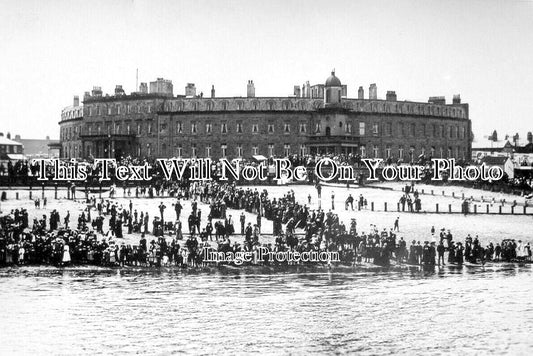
(317, 119)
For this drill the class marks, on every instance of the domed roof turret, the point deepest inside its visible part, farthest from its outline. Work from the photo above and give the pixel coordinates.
(333, 81)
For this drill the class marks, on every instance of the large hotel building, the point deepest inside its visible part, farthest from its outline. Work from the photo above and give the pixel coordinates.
(316, 119)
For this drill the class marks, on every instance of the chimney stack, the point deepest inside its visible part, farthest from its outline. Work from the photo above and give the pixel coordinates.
(391, 95)
(212, 91)
(250, 89)
(361, 93)
(97, 91)
(373, 92)
(118, 90)
(76, 100)
(297, 91)
(457, 99)
(143, 88)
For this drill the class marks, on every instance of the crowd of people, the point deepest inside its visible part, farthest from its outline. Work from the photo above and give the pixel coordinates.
(295, 226)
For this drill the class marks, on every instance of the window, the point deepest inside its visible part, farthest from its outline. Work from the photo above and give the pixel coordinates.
(209, 106)
(348, 128)
(239, 150)
(208, 151)
(388, 129)
(441, 151)
(302, 150)
(223, 149)
(287, 128)
(400, 152)
(223, 128)
(449, 132)
(423, 151)
(434, 130)
(128, 108)
(240, 105)
(109, 111)
(179, 150)
(194, 128)
(432, 151)
(179, 127)
(376, 151)
(270, 128)
(255, 128)
(449, 152)
(286, 150)
(388, 151)
(118, 109)
(162, 127)
(255, 150)
(361, 129)
(149, 128)
(411, 153)
(193, 149)
(413, 129)
(208, 127)
(375, 129)
(303, 127)
(363, 151)
(139, 128)
(317, 127)
(128, 129)
(270, 150)
(239, 127)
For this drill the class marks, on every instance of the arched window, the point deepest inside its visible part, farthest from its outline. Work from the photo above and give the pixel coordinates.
(328, 131)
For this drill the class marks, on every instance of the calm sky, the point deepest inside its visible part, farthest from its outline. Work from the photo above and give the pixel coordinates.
(52, 50)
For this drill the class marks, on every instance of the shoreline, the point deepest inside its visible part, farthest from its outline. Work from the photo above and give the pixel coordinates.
(263, 269)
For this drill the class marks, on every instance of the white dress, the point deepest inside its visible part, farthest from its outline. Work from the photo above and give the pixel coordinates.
(66, 254)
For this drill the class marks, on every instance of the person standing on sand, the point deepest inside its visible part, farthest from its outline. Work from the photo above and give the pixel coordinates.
(397, 224)
(440, 251)
(66, 254)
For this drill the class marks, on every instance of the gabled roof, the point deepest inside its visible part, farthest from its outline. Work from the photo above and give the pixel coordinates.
(6, 141)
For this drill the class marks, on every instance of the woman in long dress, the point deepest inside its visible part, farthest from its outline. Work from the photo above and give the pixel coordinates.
(66, 254)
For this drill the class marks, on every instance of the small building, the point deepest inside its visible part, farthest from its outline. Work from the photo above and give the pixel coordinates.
(505, 163)
(10, 150)
(487, 147)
